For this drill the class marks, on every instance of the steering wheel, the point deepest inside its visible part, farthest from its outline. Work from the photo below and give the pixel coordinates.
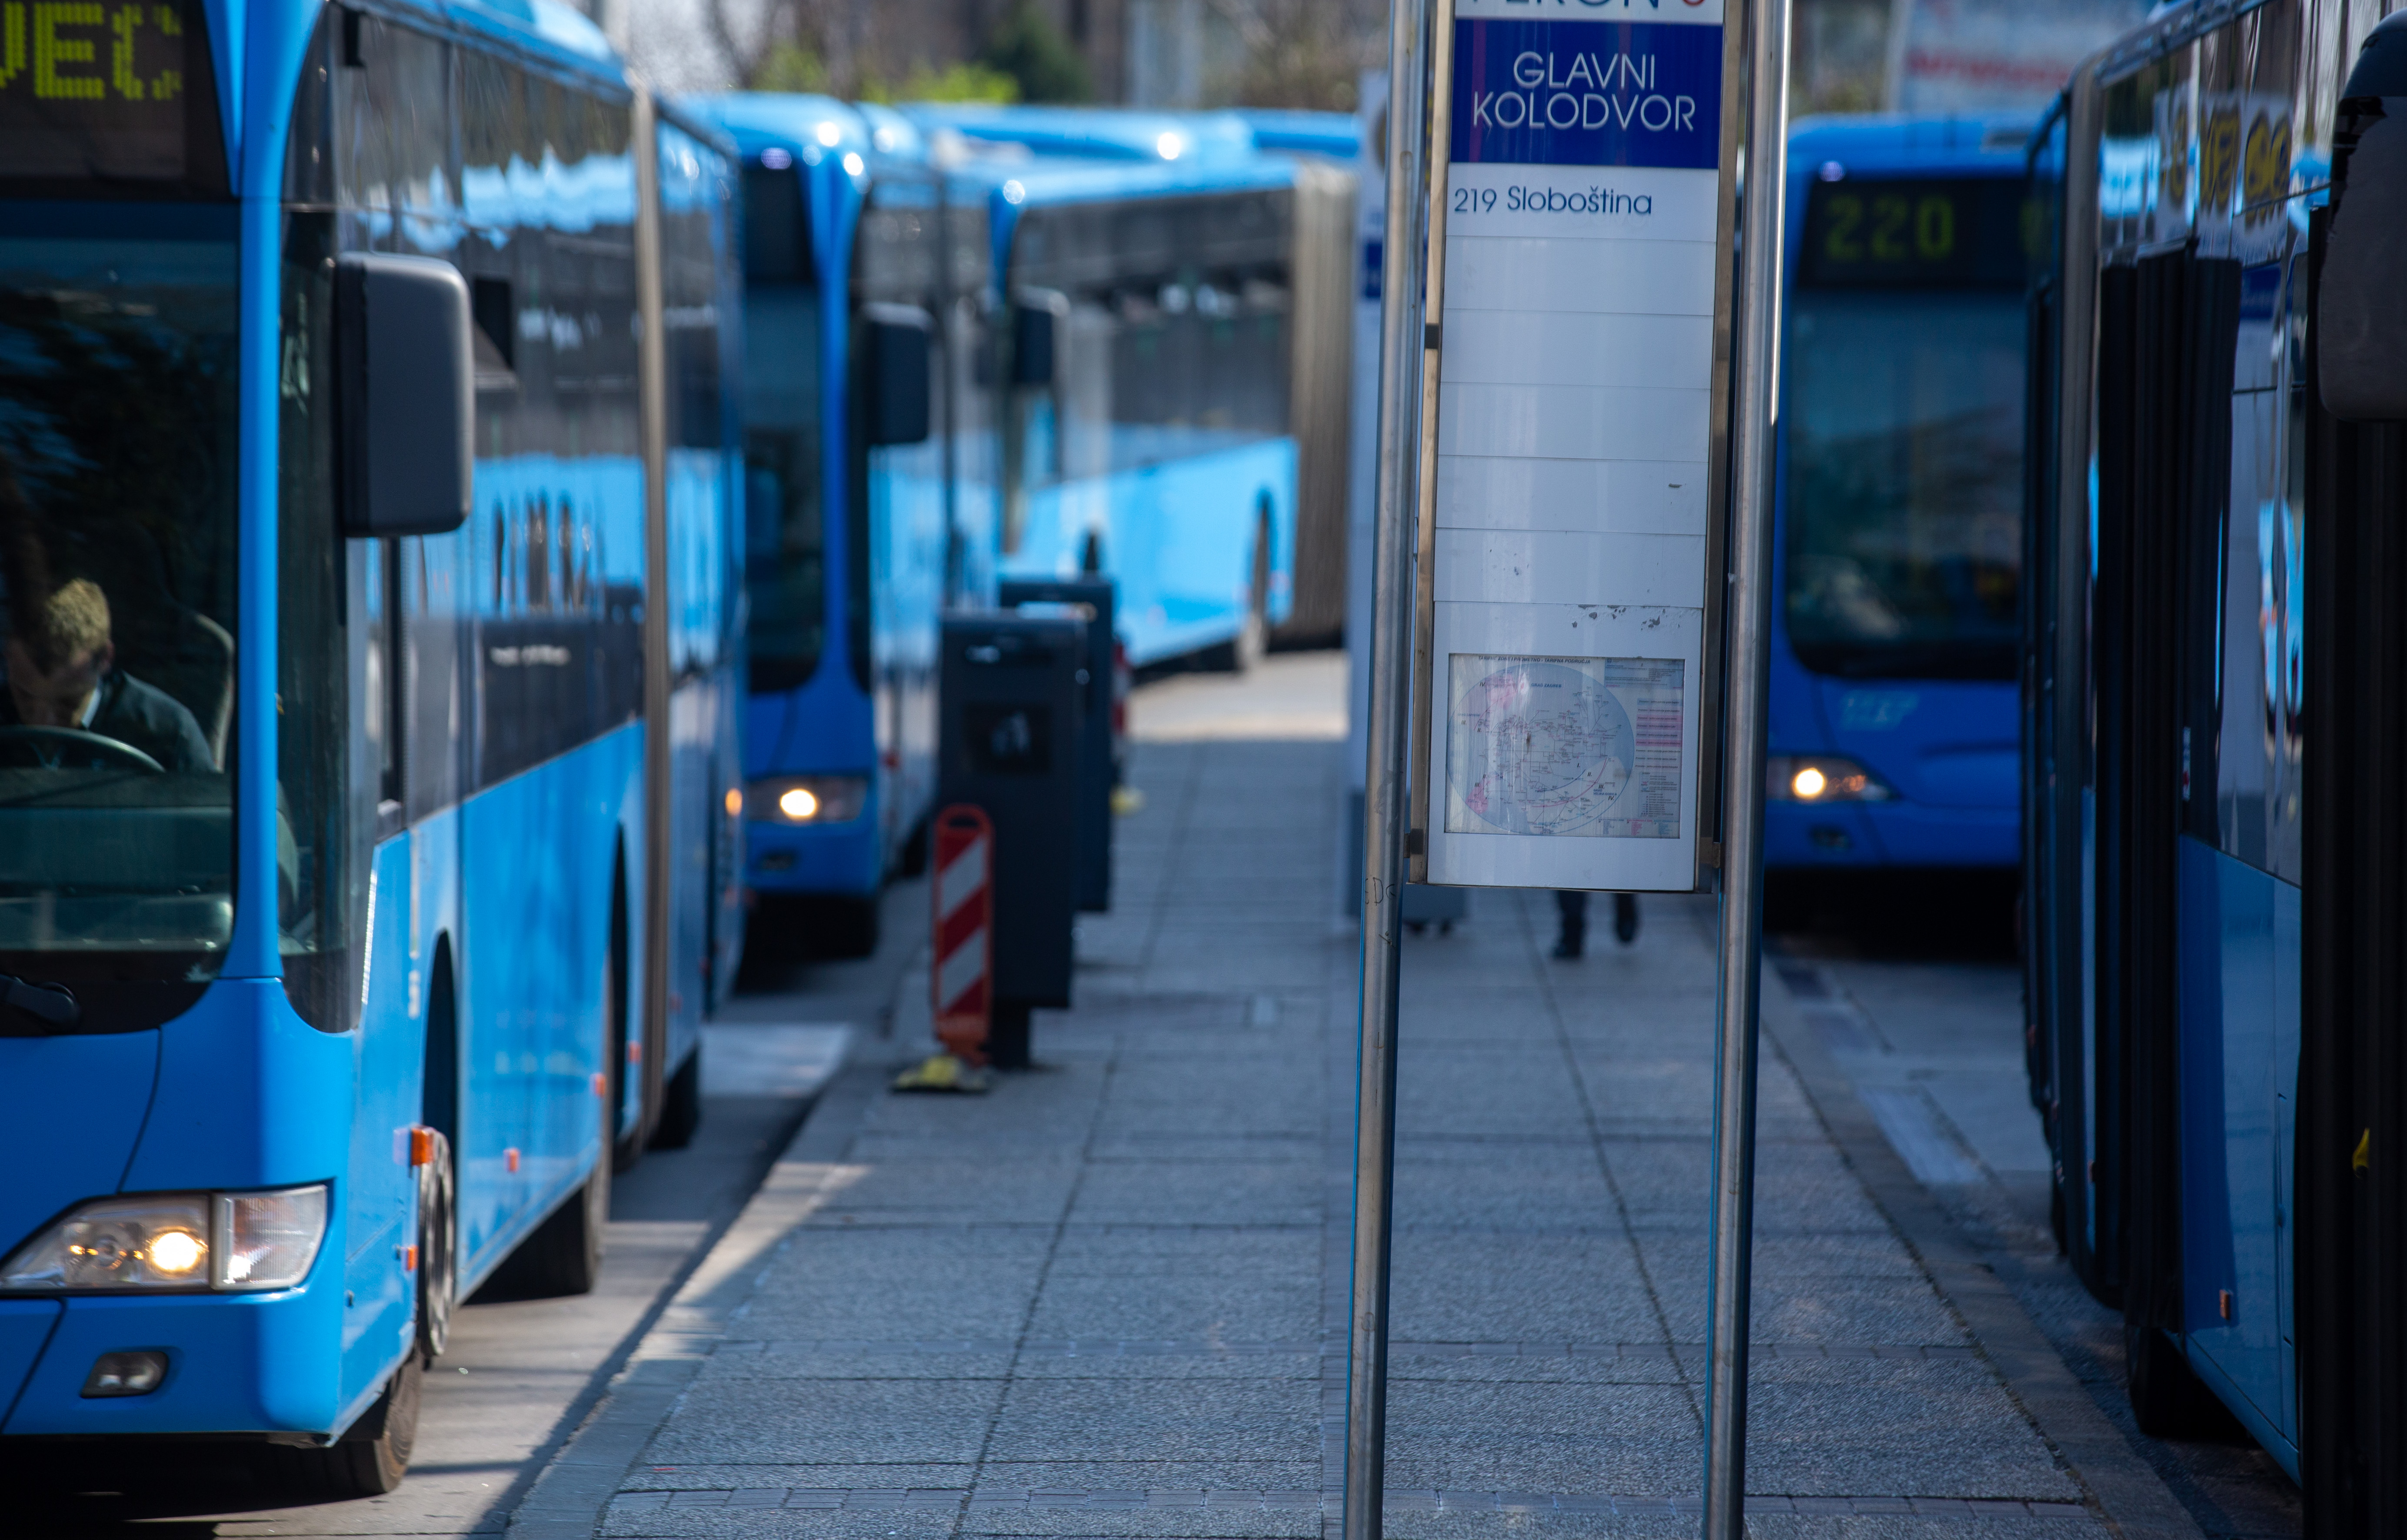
(71, 749)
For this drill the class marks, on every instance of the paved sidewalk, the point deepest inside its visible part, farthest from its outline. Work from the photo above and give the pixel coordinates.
(1109, 1298)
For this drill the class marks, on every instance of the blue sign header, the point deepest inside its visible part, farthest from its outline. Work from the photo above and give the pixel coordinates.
(1587, 93)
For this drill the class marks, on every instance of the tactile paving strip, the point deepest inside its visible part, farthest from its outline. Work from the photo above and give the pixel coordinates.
(946, 1499)
(1925, 1352)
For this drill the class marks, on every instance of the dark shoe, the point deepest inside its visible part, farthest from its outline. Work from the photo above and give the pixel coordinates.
(1625, 918)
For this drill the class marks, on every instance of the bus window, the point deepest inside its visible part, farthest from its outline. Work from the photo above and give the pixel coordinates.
(319, 904)
(785, 540)
(118, 366)
(692, 251)
(1905, 431)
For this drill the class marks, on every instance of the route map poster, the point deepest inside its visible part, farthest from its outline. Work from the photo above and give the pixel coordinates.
(1578, 747)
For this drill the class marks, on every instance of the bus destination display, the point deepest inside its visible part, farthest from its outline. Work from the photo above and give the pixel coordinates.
(94, 91)
(1954, 232)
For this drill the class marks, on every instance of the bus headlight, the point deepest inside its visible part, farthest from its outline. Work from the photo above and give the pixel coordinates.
(806, 799)
(177, 1240)
(1819, 778)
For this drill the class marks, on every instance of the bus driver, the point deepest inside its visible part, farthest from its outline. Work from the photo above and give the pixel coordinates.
(62, 672)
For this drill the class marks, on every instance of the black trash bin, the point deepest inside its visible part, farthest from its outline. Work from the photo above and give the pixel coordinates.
(1013, 712)
(1098, 754)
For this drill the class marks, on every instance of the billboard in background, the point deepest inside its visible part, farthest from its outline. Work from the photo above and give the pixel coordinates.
(1979, 56)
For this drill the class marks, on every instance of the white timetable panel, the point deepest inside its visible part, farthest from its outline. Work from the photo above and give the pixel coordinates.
(1574, 422)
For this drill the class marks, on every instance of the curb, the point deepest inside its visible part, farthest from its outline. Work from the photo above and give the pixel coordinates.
(2126, 1490)
(568, 1500)
(576, 1486)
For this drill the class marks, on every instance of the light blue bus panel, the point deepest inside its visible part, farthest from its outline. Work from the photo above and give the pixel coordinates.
(1147, 407)
(859, 530)
(1179, 284)
(1899, 510)
(358, 894)
(1182, 531)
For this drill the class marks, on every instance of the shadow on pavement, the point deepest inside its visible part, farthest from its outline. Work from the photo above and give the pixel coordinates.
(1927, 915)
(70, 1491)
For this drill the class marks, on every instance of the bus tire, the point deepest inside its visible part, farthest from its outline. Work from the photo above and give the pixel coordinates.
(371, 1458)
(852, 927)
(438, 1252)
(681, 1104)
(2168, 1399)
(1253, 640)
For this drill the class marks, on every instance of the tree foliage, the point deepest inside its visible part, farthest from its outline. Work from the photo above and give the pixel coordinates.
(1042, 62)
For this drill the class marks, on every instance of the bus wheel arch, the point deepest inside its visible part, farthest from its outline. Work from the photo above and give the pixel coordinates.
(621, 1149)
(1253, 634)
(2168, 1399)
(373, 1454)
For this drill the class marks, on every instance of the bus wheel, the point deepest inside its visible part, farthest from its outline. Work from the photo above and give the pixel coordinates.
(438, 1255)
(370, 1458)
(565, 1255)
(681, 1104)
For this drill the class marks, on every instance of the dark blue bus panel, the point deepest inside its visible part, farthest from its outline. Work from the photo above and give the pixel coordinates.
(867, 468)
(365, 863)
(2213, 743)
(1898, 512)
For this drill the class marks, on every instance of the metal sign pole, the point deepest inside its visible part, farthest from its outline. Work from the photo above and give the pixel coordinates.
(1401, 342)
(1753, 402)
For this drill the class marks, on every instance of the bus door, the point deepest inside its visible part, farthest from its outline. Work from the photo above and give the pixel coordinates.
(2197, 901)
(897, 550)
(2239, 863)
(972, 470)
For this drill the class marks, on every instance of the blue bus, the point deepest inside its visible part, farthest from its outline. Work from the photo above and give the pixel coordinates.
(1899, 505)
(964, 362)
(2215, 739)
(369, 758)
(1180, 316)
(869, 456)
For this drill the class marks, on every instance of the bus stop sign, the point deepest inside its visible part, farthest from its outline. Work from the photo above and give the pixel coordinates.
(1573, 591)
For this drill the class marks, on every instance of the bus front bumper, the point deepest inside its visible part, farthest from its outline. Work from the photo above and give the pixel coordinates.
(1860, 835)
(839, 860)
(235, 1363)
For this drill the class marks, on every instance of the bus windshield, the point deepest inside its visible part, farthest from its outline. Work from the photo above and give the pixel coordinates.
(117, 579)
(1905, 481)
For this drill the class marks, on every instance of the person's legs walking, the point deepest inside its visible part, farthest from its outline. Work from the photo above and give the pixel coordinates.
(1571, 907)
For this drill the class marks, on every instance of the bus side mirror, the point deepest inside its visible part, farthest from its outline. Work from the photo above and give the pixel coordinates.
(2361, 292)
(895, 346)
(406, 396)
(2361, 308)
(1031, 345)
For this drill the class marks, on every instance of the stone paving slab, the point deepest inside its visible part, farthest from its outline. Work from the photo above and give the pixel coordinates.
(1109, 1298)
